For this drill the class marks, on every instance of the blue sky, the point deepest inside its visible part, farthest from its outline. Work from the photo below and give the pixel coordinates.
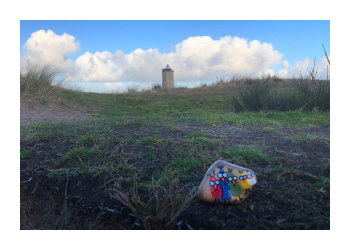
(290, 41)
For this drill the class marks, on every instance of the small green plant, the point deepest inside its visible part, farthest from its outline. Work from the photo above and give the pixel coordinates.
(170, 127)
(286, 172)
(25, 154)
(149, 141)
(322, 184)
(303, 138)
(86, 140)
(185, 162)
(43, 101)
(201, 139)
(198, 134)
(80, 154)
(266, 129)
(28, 132)
(296, 215)
(150, 156)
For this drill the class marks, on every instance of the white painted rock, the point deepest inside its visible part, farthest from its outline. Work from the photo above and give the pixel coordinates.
(226, 183)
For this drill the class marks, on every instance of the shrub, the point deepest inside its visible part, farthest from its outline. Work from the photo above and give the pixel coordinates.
(156, 86)
(256, 94)
(267, 94)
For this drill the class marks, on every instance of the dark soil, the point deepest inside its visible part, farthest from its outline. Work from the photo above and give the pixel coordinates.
(292, 191)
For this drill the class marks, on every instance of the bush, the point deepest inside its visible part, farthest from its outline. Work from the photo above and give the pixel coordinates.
(156, 86)
(256, 94)
(267, 94)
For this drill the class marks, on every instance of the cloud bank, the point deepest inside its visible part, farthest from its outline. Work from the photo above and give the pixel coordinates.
(195, 59)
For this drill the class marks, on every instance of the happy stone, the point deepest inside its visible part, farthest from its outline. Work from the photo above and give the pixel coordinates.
(226, 183)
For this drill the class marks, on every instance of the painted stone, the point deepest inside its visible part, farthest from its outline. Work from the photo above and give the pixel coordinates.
(226, 183)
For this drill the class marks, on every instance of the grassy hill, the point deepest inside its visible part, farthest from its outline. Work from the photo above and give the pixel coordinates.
(137, 161)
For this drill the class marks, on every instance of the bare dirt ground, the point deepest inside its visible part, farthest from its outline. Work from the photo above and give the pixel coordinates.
(42, 109)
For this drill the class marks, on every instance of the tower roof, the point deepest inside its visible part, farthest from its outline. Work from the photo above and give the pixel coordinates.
(167, 68)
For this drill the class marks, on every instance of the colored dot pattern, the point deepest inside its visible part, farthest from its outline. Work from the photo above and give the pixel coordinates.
(236, 190)
(216, 192)
(245, 183)
(226, 193)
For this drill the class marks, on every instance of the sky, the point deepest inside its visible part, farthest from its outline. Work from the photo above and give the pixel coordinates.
(104, 56)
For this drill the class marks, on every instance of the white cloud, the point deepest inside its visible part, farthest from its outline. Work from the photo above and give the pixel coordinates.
(101, 66)
(201, 58)
(302, 68)
(49, 48)
(142, 65)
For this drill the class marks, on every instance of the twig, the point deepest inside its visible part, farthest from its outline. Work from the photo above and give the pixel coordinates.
(306, 104)
(313, 74)
(29, 222)
(65, 202)
(326, 55)
(27, 180)
(36, 184)
(239, 131)
(291, 129)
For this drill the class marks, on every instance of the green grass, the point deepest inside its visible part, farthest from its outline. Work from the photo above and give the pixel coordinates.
(171, 128)
(305, 138)
(150, 156)
(86, 140)
(25, 154)
(267, 129)
(81, 154)
(292, 118)
(322, 184)
(213, 115)
(250, 154)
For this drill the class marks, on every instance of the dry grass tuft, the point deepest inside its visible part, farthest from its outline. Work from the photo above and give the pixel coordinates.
(159, 205)
(42, 80)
